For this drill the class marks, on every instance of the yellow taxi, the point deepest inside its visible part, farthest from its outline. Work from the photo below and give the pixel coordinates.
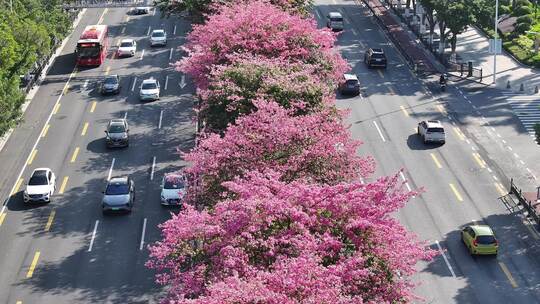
(480, 239)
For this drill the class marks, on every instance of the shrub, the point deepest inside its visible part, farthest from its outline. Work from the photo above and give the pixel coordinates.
(522, 28)
(520, 3)
(504, 9)
(525, 19)
(522, 11)
(524, 42)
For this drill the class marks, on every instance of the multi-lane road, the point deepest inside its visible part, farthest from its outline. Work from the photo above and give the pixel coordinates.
(461, 181)
(67, 251)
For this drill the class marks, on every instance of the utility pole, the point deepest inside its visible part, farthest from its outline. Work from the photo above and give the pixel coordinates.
(495, 41)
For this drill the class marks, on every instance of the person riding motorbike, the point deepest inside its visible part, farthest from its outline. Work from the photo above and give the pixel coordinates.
(442, 80)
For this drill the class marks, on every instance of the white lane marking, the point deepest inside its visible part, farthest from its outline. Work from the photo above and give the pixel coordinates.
(495, 177)
(142, 54)
(317, 13)
(528, 170)
(170, 54)
(134, 82)
(354, 31)
(85, 85)
(142, 234)
(489, 170)
(405, 180)
(445, 259)
(154, 12)
(467, 141)
(153, 168)
(522, 162)
(516, 155)
(160, 119)
(93, 236)
(182, 81)
(499, 135)
(125, 115)
(379, 130)
(148, 32)
(174, 30)
(110, 169)
(503, 141)
(492, 129)
(166, 81)
(39, 137)
(509, 148)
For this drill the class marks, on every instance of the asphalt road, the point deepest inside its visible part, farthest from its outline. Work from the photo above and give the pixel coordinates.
(67, 251)
(461, 180)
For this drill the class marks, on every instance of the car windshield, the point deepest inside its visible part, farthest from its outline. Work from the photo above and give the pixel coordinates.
(117, 129)
(377, 55)
(126, 44)
(436, 130)
(158, 34)
(117, 189)
(336, 19)
(149, 86)
(485, 239)
(111, 80)
(173, 182)
(352, 82)
(37, 180)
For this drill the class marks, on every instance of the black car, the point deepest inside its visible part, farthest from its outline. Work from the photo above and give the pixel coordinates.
(375, 58)
(110, 85)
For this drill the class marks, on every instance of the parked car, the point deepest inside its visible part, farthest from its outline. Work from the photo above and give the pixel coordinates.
(127, 47)
(335, 21)
(110, 85)
(431, 131)
(119, 195)
(173, 189)
(41, 186)
(149, 89)
(375, 57)
(158, 37)
(117, 133)
(349, 85)
(141, 10)
(480, 239)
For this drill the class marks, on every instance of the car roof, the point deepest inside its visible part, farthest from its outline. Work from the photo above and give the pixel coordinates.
(157, 31)
(118, 180)
(350, 77)
(335, 15)
(111, 76)
(150, 80)
(40, 171)
(127, 40)
(482, 229)
(377, 50)
(434, 124)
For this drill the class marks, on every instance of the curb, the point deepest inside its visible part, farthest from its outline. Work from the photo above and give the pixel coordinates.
(30, 96)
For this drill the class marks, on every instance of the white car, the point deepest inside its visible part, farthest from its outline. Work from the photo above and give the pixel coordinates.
(431, 131)
(41, 186)
(158, 37)
(173, 189)
(127, 47)
(149, 89)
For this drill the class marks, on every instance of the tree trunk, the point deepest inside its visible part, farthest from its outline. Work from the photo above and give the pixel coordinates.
(442, 28)
(453, 42)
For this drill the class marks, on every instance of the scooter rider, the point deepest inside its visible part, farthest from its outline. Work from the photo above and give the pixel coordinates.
(442, 80)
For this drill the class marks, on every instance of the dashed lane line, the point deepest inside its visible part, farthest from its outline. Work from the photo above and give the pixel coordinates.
(50, 220)
(404, 110)
(379, 130)
(33, 265)
(508, 275)
(32, 156)
(85, 128)
(45, 130)
(456, 193)
(441, 251)
(94, 233)
(437, 163)
(64, 184)
(74, 156)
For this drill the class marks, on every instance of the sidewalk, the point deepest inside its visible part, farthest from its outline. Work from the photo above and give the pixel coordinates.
(473, 46)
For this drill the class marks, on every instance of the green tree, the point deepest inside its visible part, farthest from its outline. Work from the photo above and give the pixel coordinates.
(454, 17)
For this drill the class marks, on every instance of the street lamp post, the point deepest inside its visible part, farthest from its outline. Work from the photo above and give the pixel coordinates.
(495, 41)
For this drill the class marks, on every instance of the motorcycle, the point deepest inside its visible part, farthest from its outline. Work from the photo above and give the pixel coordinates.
(443, 86)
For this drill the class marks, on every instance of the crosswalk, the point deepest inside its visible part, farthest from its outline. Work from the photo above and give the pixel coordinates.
(526, 108)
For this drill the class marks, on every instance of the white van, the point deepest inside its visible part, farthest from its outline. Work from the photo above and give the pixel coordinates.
(335, 21)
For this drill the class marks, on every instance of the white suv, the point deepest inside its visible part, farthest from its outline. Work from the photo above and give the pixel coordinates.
(173, 189)
(127, 47)
(431, 131)
(149, 89)
(41, 186)
(158, 37)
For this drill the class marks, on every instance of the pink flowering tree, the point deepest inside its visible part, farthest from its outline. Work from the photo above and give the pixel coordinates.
(259, 29)
(233, 87)
(278, 242)
(315, 147)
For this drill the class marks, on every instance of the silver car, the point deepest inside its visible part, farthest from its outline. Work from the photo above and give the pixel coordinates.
(119, 195)
(117, 133)
(158, 37)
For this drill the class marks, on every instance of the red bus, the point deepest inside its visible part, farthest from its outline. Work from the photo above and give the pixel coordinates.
(92, 46)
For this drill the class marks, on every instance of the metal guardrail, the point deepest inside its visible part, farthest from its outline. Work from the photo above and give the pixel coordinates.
(527, 204)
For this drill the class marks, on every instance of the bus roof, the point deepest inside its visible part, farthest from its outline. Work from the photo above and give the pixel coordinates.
(93, 33)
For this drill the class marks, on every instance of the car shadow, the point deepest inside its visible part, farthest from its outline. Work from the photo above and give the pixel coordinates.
(415, 142)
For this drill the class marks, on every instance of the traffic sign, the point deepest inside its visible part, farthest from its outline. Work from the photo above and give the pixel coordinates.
(495, 46)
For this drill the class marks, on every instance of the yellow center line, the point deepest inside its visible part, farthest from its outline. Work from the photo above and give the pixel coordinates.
(63, 186)
(500, 188)
(459, 133)
(56, 107)
(85, 127)
(2, 218)
(33, 265)
(32, 156)
(50, 220)
(107, 70)
(441, 109)
(479, 160)
(392, 92)
(45, 129)
(456, 193)
(508, 275)
(17, 186)
(18, 302)
(404, 110)
(380, 73)
(93, 107)
(436, 161)
(74, 156)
